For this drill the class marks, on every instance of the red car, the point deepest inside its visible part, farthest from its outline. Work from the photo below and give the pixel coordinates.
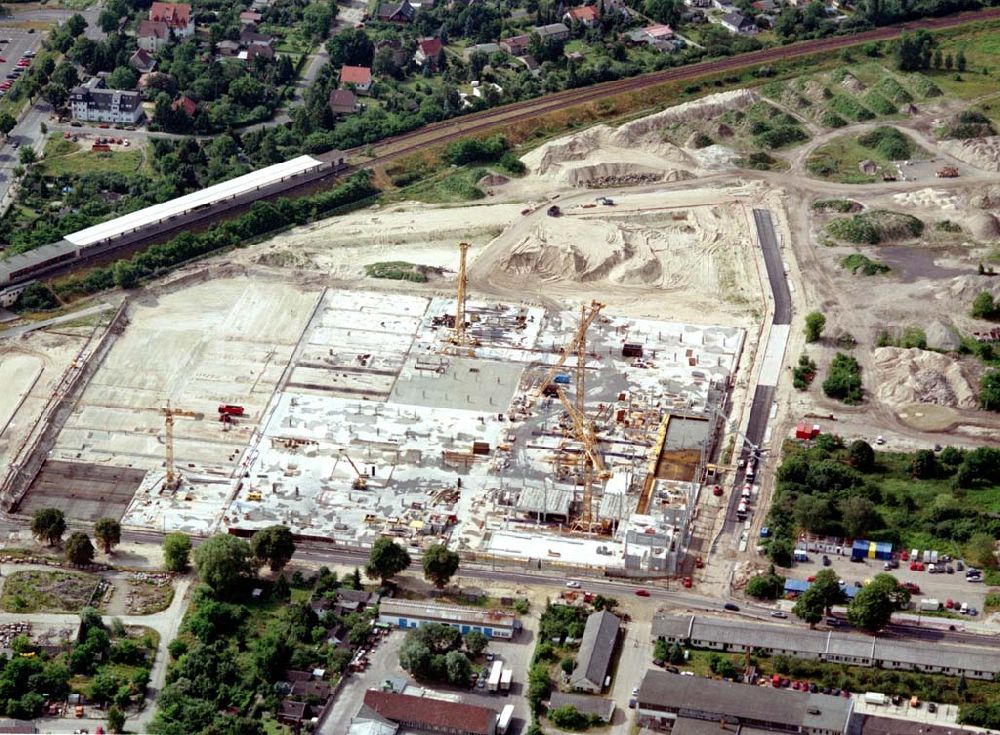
(24, 62)
(3, 60)
(949, 603)
(904, 555)
(916, 566)
(717, 491)
(642, 593)
(913, 589)
(811, 578)
(687, 583)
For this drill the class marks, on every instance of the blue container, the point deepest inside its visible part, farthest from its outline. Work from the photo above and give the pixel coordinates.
(561, 379)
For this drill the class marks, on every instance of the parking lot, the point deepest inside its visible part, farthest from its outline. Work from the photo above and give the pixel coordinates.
(19, 42)
(942, 587)
(384, 664)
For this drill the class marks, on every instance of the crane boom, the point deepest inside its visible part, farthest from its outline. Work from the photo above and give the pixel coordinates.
(577, 345)
(173, 477)
(361, 482)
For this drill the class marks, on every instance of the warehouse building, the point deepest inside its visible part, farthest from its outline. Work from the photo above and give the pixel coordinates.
(600, 636)
(845, 648)
(407, 614)
(425, 714)
(689, 704)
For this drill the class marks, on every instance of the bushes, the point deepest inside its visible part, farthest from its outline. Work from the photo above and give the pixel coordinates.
(850, 109)
(879, 104)
(989, 391)
(472, 150)
(766, 586)
(843, 381)
(396, 270)
(876, 226)
(804, 373)
(970, 124)
(890, 143)
(35, 297)
(985, 307)
(843, 206)
(857, 262)
(893, 90)
(831, 119)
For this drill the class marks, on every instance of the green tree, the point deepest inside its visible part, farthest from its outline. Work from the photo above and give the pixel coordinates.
(859, 515)
(7, 123)
(660, 651)
(766, 586)
(476, 642)
(316, 20)
(48, 525)
(55, 94)
(923, 466)
(108, 533)
(116, 720)
(440, 565)
(79, 549)
(123, 77)
(386, 560)
(810, 606)
(415, 657)
(827, 586)
(176, 552)
(914, 50)
(539, 685)
(273, 546)
(815, 323)
(872, 607)
(352, 47)
(989, 390)
(780, 552)
(458, 667)
(861, 456)
(570, 718)
(663, 11)
(676, 656)
(223, 562)
(984, 307)
(960, 62)
(981, 551)
(27, 156)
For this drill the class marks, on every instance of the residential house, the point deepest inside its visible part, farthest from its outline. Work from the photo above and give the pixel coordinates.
(412, 614)
(293, 714)
(177, 17)
(659, 32)
(552, 32)
(255, 50)
(250, 16)
(738, 23)
(585, 14)
(427, 52)
(401, 12)
(142, 62)
(359, 77)
(187, 105)
(698, 3)
(426, 714)
(668, 700)
(248, 38)
(227, 49)
(91, 102)
(593, 661)
(602, 708)
(516, 45)
(765, 6)
(152, 36)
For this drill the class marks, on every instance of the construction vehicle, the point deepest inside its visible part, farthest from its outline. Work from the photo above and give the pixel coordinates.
(553, 211)
(947, 172)
(606, 201)
(173, 477)
(361, 480)
(230, 410)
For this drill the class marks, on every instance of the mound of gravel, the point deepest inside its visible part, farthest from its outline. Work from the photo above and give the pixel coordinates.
(918, 376)
(941, 336)
(983, 226)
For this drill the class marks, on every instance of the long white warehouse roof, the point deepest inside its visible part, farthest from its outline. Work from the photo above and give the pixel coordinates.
(206, 197)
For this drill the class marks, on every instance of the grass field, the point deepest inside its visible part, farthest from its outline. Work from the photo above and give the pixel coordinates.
(982, 52)
(65, 158)
(36, 591)
(838, 160)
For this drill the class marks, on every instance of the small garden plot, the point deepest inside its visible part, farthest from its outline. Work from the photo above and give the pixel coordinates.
(37, 591)
(149, 593)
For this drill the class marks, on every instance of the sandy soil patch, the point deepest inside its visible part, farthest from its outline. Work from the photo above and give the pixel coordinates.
(917, 376)
(983, 153)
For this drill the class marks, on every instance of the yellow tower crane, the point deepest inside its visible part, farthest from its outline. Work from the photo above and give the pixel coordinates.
(459, 337)
(173, 477)
(578, 345)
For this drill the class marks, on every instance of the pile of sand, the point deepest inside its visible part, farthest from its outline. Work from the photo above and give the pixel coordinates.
(927, 199)
(635, 150)
(983, 226)
(917, 376)
(983, 153)
(987, 197)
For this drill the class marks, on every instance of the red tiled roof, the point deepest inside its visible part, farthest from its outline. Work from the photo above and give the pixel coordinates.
(175, 15)
(430, 46)
(355, 74)
(584, 13)
(659, 31)
(187, 104)
(152, 29)
(427, 713)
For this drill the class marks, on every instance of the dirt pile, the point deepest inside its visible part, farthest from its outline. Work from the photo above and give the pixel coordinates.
(983, 153)
(941, 336)
(983, 226)
(633, 152)
(917, 376)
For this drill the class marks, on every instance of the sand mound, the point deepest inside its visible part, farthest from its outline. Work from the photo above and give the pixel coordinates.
(988, 197)
(941, 336)
(983, 153)
(928, 198)
(918, 376)
(634, 149)
(983, 226)
(603, 175)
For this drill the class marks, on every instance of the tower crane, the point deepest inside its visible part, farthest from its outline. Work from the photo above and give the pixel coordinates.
(173, 477)
(361, 481)
(460, 338)
(578, 345)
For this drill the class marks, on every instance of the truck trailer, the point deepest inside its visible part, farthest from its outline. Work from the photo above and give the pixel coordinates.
(493, 683)
(503, 720)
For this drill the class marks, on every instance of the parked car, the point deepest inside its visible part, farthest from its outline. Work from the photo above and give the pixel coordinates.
(779, 614)
(833, 622)
(931, 707)
(826, 561)
(573, 584)
(950, 569)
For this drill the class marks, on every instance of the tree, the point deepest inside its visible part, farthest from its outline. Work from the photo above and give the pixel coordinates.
(859, 515)
(27, 156)
(79, 550)
(176, 552)
(352, 47)
(981, 551)
(861, 456)
(316, 20)
(48, 525)
(440, 565)
(960, 62)
(123, 77)
(872, 608)
(55, 94)
(780, 552)
(810, 607)
(223, 562)
(476, 642)
(7, 123)
(766, 586)
(415, 657)
(274, 546)
(458, 667)
(663, 11)
(386, 560)
(569, 717)
(984, 307)
(65, 75)
(815, 322)
(827, 587)
(923, 465)
(76, 25)
(108, 533)
(989, 390)
(116, 719)
(914, 51)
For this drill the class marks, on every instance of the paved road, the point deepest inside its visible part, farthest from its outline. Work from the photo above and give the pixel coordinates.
(775, 268)
(15, 332)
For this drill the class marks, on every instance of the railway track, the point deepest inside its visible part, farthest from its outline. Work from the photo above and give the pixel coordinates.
(446, 131)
